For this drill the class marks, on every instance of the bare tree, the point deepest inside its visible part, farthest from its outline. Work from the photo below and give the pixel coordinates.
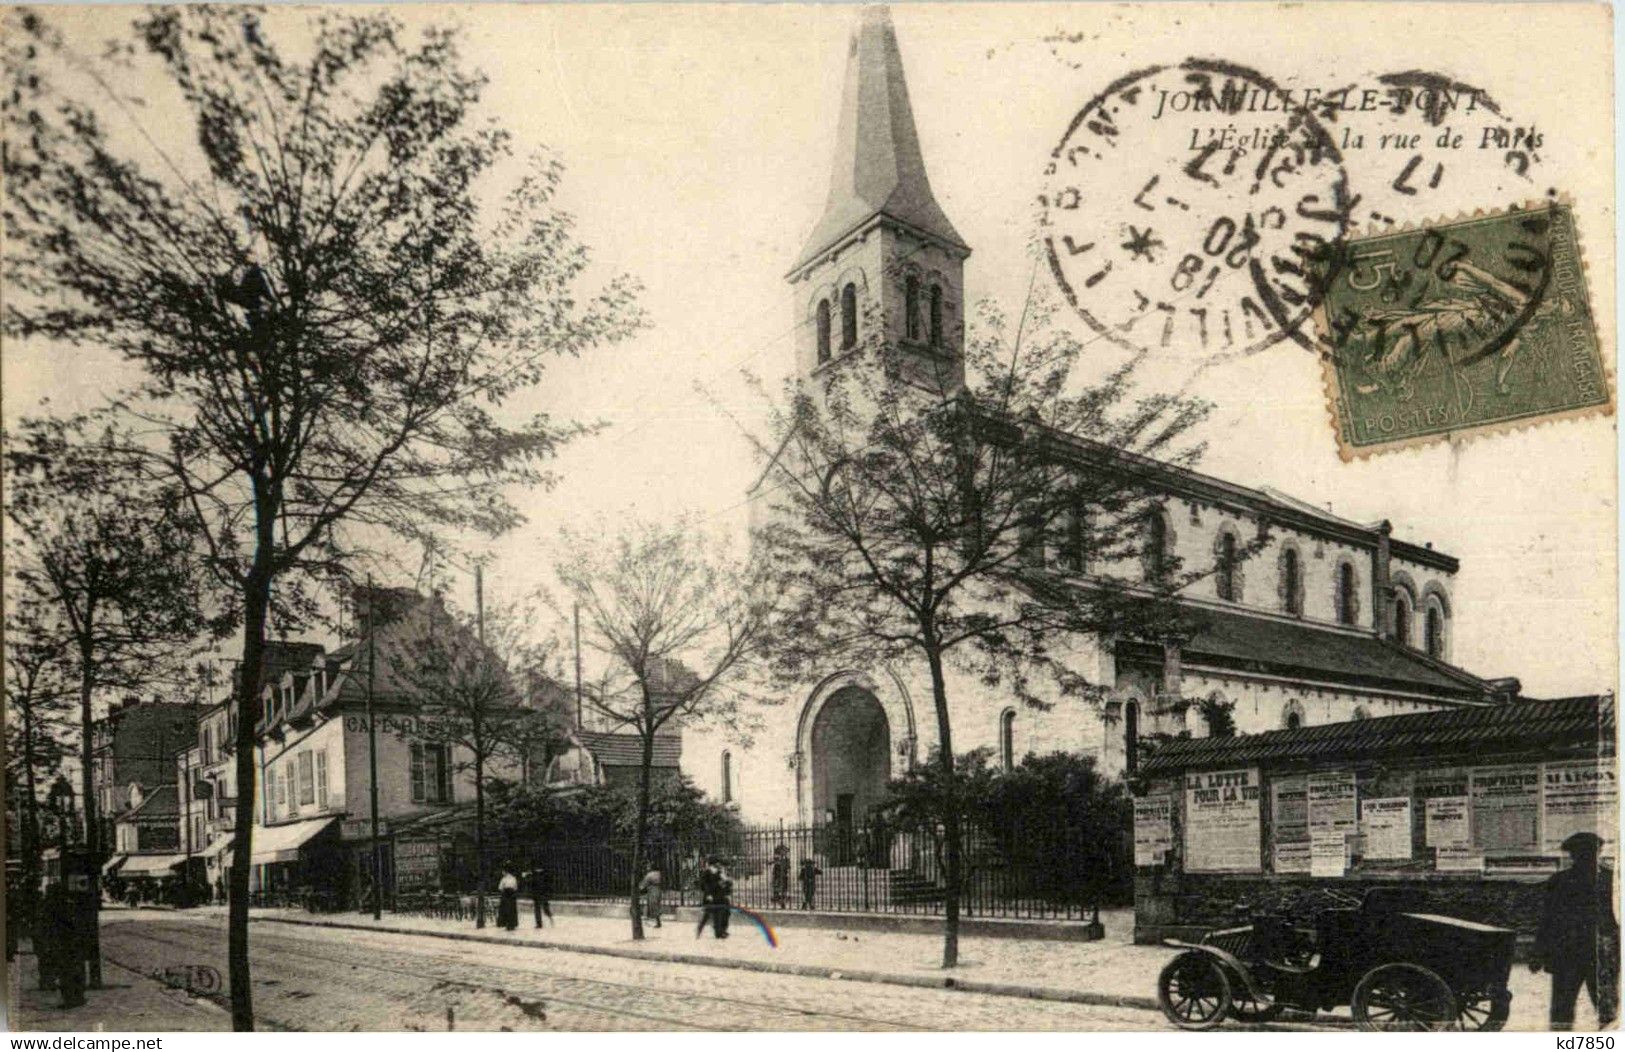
(475, 687)
(985, 525)
(677, 622)
(328, 306)
(95, 548)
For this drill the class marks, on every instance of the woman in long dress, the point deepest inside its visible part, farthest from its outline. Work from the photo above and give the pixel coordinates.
(508, 907)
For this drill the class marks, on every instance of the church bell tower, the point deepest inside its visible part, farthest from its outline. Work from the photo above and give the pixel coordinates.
(884, 262)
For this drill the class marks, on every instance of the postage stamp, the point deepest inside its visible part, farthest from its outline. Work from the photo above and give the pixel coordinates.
(1460, 327)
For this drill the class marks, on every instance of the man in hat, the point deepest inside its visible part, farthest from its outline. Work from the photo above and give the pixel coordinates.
(1578, 940)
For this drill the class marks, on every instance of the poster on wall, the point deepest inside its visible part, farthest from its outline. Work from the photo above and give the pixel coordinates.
(1222, 821)
(1289, 824)
(1386, 824)
(1579, 796)
(1333, 804)
(1506, 809)
(1458, 858)
(1446, 823)
(1153, 829)
(1328, 854)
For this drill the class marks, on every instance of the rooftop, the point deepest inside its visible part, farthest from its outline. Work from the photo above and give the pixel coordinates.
(1524, 724)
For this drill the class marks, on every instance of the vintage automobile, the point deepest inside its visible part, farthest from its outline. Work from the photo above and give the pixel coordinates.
(1396, 969)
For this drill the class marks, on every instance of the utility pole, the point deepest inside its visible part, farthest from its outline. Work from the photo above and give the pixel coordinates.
(372, 754)
(578, 665)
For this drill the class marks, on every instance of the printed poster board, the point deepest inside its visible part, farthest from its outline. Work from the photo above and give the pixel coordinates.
(1506, 809)
(1333, 804)
(1289, 824)
(1386, 825)
(1447, 823)
(1153, 829)
(1328, 854)
(1458, 858)
(1223, 822)
(1579, 796)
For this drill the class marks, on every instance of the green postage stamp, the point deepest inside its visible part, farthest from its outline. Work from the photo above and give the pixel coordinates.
(1476, 324)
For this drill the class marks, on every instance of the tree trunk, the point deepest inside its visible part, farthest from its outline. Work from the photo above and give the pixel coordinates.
(31, 845)
(640, 830)
(87, 793)
(950, 813)
(256, 605)
(479, 839)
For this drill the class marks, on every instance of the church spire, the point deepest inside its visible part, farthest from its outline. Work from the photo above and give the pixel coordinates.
(878, 166)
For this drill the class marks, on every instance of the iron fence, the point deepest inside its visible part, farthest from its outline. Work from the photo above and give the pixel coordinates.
(1021, 869)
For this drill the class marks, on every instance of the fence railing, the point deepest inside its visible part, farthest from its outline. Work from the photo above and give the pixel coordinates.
(1023, 869)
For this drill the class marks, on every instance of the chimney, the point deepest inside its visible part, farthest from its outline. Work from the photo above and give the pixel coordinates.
(1379, 581)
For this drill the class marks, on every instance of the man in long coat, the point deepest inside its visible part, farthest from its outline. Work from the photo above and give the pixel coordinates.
(1578, 940)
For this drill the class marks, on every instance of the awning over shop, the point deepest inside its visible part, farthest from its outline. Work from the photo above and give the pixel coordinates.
(282, 843)
(151, 865)
(216, 846)
(113, 863)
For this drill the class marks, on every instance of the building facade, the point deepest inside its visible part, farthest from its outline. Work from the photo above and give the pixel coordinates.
(1332, 620)
(134, 745)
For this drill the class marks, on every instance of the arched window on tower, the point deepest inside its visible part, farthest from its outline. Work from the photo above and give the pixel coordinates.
(849, 317)
(1226, 579)
(1433, 631)
(1007, 739)
(727, 777)
(911, 308)
(936, 316)
(1155, 556)
(1291, 583)
(823, 331)
(1292, 716)
(1402, 617)
(1345, 593)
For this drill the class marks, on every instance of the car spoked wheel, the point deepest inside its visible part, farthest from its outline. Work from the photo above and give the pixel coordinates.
(1484, 1009)
(1250, 1008)
(1194, 992)
(1404, 997)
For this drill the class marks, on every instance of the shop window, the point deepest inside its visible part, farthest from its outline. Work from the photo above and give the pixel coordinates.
(1007, 739)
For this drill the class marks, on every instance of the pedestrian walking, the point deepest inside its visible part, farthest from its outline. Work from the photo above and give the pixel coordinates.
(508, 904)
(715, 891)
(1578, 938)
(220, 890)
(781, 877)
(540, 884)
(809, 882)
(651, 889)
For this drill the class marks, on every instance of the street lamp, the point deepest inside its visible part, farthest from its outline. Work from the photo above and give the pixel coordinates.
(60, 800)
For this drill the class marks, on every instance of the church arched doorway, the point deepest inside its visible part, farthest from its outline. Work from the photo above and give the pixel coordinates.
(851, 757)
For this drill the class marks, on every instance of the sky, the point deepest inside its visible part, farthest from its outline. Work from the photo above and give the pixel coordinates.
(697, 143)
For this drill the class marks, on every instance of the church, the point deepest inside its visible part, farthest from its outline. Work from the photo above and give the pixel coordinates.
(1334, 620)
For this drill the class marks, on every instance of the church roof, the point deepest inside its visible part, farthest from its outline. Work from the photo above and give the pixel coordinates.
(1246, 642)
(626, 750)
(879, 169)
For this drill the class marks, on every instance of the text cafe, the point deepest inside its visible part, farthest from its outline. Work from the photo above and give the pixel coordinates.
(1464, 808)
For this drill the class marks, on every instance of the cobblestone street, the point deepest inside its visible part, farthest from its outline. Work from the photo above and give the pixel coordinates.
(315, 979)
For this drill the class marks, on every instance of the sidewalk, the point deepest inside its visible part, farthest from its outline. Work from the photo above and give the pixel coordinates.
(1112, 971)
(126, 1001)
